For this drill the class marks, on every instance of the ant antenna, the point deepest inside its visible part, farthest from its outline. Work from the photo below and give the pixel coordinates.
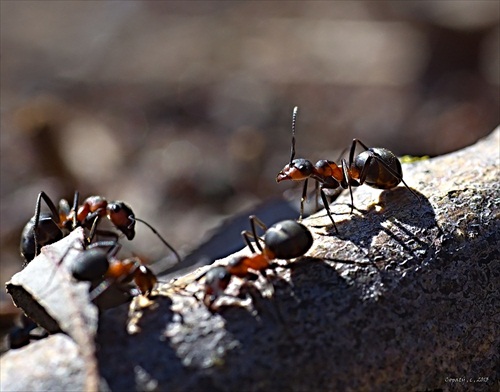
(294, 120)
(161, 238)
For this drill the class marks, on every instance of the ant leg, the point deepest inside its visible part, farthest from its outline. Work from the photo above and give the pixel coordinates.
(99, 289)
(353, 149)
(348, 181)
(316, 195)
(114, 247)
(303, 199)
(53, 210)
(93, 229)
(106, 233)
(246, 237)
(327, 208)
(256, 221)
(75, 208)
(131, 217)
(93, 217)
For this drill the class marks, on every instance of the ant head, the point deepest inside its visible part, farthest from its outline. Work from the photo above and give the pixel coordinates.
(298, 169)
(122, 216)
(216, 280)
(145, 279)
(90, 265)
(288, 239)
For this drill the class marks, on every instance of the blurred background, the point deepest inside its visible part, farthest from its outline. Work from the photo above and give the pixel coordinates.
(183, 109)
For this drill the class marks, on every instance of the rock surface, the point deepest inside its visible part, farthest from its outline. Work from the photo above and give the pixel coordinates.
(406, 298)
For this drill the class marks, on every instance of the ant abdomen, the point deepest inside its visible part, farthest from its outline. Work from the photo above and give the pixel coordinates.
(48, 232)
(288, 239)
(90, 265)
(378, 175)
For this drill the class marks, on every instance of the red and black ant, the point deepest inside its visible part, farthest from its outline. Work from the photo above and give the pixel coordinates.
(283, 240)
(48, 227)
(96, 264)
(376, 167)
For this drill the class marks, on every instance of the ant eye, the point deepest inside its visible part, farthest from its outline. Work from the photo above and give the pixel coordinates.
(115, 207)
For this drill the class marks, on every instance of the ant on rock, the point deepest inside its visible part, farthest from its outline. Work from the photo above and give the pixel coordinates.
(48, 227)
(376, 167)
(284, 240)
(95, 264)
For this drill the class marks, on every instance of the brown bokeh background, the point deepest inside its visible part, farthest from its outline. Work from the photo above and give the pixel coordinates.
(183, 109)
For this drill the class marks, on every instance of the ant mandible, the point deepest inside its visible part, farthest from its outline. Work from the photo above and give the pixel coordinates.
(376, 167)
(48, 227)
(284, 240)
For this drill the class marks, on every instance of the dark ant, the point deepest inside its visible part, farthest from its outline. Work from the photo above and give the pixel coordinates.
(283, 240)
(376, 167)
(22, 334)
(48, 227)
(95, 264)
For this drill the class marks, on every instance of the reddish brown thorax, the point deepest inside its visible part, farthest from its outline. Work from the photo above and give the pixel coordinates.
(90, 205)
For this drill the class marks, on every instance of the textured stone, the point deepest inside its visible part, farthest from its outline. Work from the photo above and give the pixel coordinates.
(406, 298)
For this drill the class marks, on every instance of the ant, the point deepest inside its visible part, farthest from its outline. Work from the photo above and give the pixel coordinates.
(95, 264)
(48, 227)
(27, 330)
(284, 240)
(376, 167)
